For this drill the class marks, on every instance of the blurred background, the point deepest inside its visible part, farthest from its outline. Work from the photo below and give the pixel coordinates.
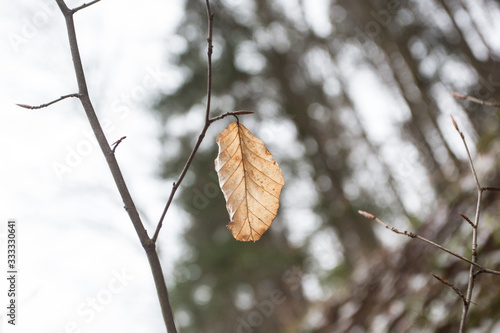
(352, 99)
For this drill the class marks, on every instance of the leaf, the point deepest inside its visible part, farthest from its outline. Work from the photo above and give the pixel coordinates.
(250, 180)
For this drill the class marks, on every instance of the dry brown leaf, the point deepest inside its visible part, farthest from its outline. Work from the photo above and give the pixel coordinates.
(250, 180)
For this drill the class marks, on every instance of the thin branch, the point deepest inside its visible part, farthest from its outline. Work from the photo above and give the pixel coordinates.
(115, 144)
(26, 106)
(467, 219)
(475, 224)
(473, 99)
(146, 242)
(413, 235)
(232, 113)
(85, 5)
(176, 184)
(449, 284)
(478, 272)
(489, 188)
(472, 274)
(468, 153)
(210, 47)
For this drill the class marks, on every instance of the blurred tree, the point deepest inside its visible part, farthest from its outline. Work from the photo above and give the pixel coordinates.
(353, 97)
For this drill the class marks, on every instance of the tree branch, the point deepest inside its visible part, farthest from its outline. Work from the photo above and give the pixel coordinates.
(475, 224)
(26, 106)
(449, 284)
(85, 5)
(232, 113)
(474, 100)
(176, 184)
(146, 242)
(413, 235)
(468, 153)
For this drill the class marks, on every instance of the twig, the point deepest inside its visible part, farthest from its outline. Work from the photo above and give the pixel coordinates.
(26, 106)
(85, 5)
(467, 219)
(449, 284)
(475, 224)
(232, 113)
(115, 144)
(468, 153)
(210, 48)
(474, 100)
(146, 242)
(413, 235)
(176, 184)
(488, 188)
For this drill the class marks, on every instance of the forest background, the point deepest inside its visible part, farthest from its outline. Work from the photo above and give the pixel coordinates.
(351, 97)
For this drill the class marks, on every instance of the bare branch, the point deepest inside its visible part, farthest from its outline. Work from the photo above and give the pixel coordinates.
(26, 106)
(176, 185)
(455, 289)
(413, 235)
(210, 47)
(468, 153)
(85, 5)
(493, 189)
(475, 224)
(473, 99)
(232, 113)
(148, 245)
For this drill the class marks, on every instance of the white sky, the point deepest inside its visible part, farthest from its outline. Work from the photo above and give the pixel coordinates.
(74, 235)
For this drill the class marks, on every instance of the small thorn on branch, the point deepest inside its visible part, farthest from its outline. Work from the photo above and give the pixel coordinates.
(115, 144)
(26, 106)
(467, 219)
(455, 289)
